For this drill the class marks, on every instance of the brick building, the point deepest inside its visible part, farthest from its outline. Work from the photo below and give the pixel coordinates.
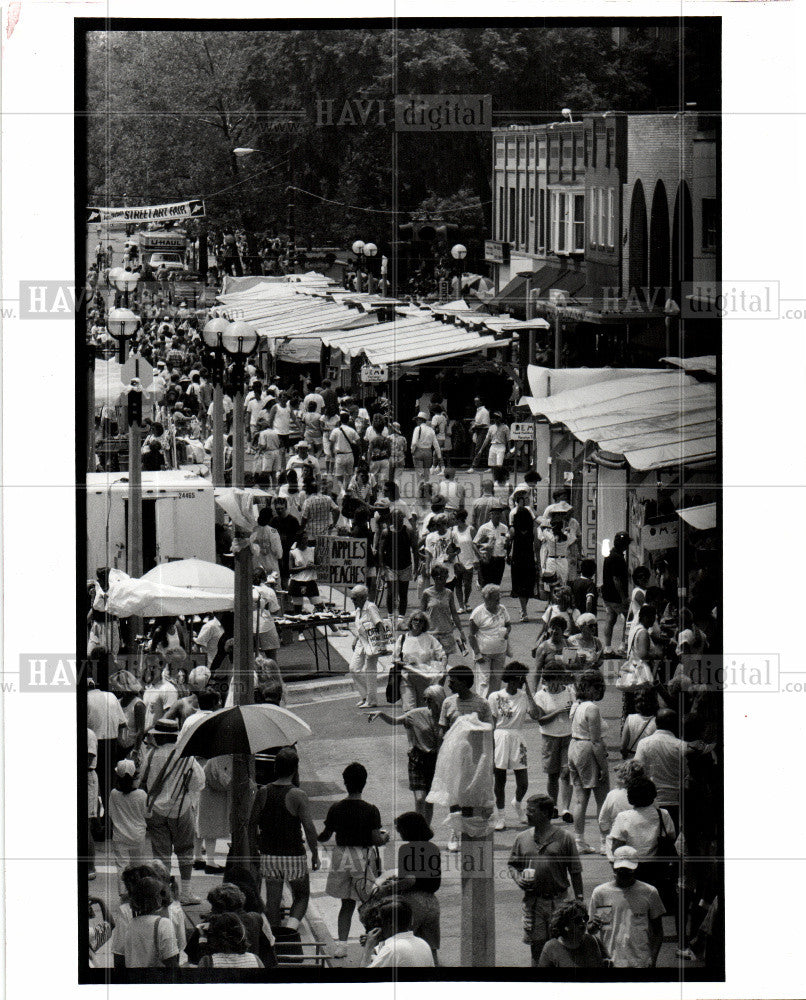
(604, 219)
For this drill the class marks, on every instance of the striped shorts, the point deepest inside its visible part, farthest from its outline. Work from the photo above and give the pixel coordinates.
(288, 867)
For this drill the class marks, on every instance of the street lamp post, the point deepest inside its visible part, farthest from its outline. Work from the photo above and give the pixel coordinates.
(212, 339)
(358, 250)
(239, 340)
(459, 252)
(671, 311)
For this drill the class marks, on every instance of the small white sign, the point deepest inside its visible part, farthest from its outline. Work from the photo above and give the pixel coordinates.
(375, 373)
(522, 431)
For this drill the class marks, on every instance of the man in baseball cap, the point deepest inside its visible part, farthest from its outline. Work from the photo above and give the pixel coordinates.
(629, 914)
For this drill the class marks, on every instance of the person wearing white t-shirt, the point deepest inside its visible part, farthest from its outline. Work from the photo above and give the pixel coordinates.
(393, 945)
(316, 398)
(554, 699)
(425, 450)
(207, 638)
(488, 636)
(510, 707)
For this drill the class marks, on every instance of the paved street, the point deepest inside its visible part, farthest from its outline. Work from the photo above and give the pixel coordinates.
(341, 735)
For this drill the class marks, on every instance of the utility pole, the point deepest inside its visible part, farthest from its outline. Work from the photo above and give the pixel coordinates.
(135, 532)
(477, 879)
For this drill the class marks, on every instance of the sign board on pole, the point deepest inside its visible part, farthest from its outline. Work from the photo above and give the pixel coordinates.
(522, 430)
(139, 368)
(347, 560)
(375, 373)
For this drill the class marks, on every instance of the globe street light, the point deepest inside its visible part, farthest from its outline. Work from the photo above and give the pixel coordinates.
(122, 324)
(459, 252)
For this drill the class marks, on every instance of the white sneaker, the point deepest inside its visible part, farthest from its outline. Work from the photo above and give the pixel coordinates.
(340, 949)
(583, 847)
(500, 823)
(519, 810)
(453, 843)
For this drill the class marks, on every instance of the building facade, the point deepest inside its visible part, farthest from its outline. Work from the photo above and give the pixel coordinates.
(604, 223)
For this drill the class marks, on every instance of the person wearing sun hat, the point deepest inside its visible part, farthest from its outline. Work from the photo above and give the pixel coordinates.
(588, 648)
(628, 914)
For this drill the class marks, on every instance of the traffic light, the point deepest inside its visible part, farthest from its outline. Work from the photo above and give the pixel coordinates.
(135, 406)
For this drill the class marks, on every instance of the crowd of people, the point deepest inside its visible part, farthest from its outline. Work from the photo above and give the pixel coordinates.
(429, 619)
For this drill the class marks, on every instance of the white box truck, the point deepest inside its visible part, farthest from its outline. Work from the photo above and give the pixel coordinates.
(178, 518)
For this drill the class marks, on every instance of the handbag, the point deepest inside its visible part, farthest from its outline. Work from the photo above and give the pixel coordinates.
(393, 684)
(364, 883)
(634, 674)
(356, 450)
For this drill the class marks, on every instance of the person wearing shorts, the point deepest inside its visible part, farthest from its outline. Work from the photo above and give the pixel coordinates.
(269, 453)
(587, 754)
(302, 572)
(280, 814)
(542, 861)
(554, 699)
(510, 706)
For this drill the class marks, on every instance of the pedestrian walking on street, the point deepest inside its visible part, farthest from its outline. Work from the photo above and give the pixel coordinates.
(467, 559)
(366, 649)
(172, 784)
(614, 589)
(541, 862)
(587, 755)
(127, 811)
(488, 631)
(354, 862)
(280, 814)
(424, 735)
(493, 542)
(554, 699)
(421, 660)
(419, 873)
(439, 603)
(425, 452)
(570, 945)
(510, 706)
(522, 547)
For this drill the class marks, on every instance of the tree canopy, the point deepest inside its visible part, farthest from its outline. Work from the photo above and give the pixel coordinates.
(166, 109)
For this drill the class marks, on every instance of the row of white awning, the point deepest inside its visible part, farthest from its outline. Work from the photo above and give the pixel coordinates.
(348, 322)
(654, 419)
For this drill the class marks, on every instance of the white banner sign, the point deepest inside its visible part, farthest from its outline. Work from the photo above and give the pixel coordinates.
(147, 213)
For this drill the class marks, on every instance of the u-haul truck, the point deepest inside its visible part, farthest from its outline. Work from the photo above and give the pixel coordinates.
(178, 519)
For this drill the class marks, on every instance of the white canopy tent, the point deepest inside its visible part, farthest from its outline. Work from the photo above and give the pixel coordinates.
(702, 517)
(150, 597)
(655, 419)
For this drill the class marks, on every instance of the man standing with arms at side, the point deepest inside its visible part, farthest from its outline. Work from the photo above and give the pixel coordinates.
(629, 915)
(614, 587)
(479, 425)
(543, 859)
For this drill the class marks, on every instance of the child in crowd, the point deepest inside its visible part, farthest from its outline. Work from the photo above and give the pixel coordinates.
(227, 942)
(354, 863)
(127, 812)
